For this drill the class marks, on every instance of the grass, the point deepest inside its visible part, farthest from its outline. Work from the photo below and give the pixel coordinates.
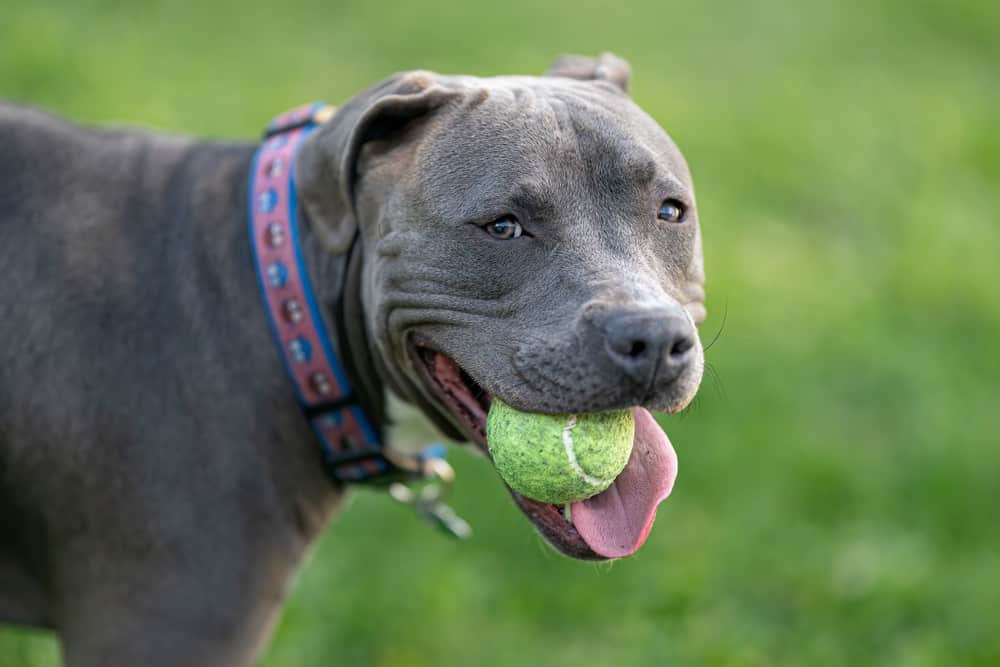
(838, 486)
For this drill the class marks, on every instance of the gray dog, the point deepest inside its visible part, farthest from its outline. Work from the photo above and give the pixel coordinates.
(530, 238)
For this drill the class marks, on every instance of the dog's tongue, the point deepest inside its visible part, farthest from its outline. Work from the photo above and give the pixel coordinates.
(615, 522)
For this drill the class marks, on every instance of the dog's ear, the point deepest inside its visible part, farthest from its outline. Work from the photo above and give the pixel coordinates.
(605, 67)
(326, 165)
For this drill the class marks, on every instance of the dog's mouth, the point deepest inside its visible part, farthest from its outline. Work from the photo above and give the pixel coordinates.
(612, 524)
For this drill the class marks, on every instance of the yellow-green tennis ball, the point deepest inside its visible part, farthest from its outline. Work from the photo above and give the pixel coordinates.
(559, 458)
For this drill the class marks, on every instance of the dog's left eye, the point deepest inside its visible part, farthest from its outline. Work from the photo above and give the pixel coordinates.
(504, 228)
(671, 210)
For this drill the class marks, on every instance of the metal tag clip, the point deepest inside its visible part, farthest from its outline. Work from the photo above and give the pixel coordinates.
(427, 494)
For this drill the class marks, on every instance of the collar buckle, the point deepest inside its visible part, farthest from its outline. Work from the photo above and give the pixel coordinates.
(426, 495)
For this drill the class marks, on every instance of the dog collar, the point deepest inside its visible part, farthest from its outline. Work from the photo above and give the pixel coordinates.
(351, 445)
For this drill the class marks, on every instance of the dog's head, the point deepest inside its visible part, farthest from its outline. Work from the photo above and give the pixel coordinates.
(530, 238)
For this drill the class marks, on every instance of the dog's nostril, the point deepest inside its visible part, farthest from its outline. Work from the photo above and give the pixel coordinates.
(637, 348)
(680, 346)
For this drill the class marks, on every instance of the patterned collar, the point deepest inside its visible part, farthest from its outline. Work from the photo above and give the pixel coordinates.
(351, 444)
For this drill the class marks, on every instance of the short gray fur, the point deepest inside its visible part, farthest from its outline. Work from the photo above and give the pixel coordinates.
(158, 484)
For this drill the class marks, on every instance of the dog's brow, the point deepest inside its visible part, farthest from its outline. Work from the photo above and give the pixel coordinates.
(666, 182)
(531, 197)
(643, 170)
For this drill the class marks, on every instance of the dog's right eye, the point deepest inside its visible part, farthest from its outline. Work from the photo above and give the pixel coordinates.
(504, 228)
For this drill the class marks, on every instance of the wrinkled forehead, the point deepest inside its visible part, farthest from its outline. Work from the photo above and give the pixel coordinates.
(537, 136)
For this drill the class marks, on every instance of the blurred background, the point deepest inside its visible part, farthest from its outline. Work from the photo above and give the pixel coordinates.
(839, 484)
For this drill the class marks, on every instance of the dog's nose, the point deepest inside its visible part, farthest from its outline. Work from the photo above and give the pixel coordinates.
(642, 342)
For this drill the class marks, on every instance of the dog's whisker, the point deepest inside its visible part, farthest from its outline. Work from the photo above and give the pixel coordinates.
(717, 380)
(722, 325)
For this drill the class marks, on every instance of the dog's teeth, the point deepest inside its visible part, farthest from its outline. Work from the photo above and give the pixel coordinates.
(568, 513)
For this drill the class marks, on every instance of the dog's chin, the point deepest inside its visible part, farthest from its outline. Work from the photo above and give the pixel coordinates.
(680, 393)
(467, 404)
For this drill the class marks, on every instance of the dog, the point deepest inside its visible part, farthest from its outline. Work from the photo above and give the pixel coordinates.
(530, 238)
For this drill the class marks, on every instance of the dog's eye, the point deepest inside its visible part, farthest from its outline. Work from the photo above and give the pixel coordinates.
(504, 228)
(671, 210)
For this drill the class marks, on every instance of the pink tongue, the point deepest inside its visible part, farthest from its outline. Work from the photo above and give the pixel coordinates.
(615, 522)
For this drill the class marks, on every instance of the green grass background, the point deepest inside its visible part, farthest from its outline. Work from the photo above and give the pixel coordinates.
(839, 488)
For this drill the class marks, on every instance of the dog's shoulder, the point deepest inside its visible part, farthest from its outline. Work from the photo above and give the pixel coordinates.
(28, 135)
(31, 135)
(48, 163)
(15, 116)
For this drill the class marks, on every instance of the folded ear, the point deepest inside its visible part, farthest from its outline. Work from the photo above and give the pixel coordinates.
(605, 67)
(326, 164)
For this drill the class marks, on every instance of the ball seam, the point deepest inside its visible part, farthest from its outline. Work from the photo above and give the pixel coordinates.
(567, 437)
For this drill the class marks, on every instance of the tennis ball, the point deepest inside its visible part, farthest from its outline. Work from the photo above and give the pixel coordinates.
(558, 458)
